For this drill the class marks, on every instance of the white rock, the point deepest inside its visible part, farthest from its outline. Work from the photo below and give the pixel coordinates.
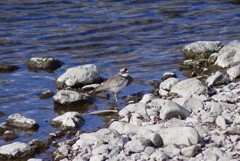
(179, 135)
(218, 107)
(97, 158)
(152, 136)
(148, 98)
(159, 155)
(229, 54)
(190, 151)
(80, 75)
(71, 97)
(35, 159)
(163, 92)
(237, 120)
(234, 72)
(172, 150)
(136, 119)
(16, 148)
(137, 144)
(189, 87)
(171, 109)
(139, 108)
(69, 120)
(217, 79)
(19, 120)
(169, 83)
(62, 152)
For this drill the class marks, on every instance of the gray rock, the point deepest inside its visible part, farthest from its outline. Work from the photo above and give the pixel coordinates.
(201, 49)
(127, 128)
(69, 97)
(209, 117)
(62, 152)
(137, 144)
(78, 76)
(215, 154)
(234, 72)
(237, 120)
(229, 54)
(44, 63)
(169, 83)
(190, 151)
(220, 121)
(159, 155)
(20, 121)
(180, 136)
(190, 103)
(149, 150)
(172, 150)
(217, 79)
(171, 109)
(226, 97)
(218, 107)
(189, 87)
(68, 121)
(16, 150)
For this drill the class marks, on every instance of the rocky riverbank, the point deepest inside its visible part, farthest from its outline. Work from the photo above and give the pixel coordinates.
(192, 119)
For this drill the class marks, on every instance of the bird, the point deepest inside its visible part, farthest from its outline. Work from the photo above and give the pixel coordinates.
(115, 83)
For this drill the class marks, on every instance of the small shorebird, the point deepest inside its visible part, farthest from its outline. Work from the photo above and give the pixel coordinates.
(116, 83)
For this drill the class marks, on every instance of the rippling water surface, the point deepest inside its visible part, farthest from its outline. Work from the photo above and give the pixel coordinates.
(144, 36)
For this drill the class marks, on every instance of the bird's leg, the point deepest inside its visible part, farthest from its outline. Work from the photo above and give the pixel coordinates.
(115, 96)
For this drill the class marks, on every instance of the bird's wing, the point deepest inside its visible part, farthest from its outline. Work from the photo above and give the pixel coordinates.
(111, 82)
(130, 80)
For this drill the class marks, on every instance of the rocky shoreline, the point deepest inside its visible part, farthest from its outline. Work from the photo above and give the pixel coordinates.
(193, 119)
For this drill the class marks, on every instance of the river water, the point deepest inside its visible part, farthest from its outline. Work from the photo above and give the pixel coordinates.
(144, 36)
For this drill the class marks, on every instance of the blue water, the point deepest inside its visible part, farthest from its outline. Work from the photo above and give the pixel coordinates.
(144, 36)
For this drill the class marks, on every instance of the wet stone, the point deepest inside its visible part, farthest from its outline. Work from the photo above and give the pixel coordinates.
(16, 150)
(8, 68)
(20, 121)
(46, 95)
(43, 63)
(68, 121)
(9, 135)
(69, 97)
(201, 49)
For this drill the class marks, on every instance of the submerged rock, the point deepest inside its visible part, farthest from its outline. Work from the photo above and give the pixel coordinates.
(201, 49)
(46, 95)
(78, 76)
(44, 63)
(68, 121)
(69, 97)
(8, 68)
(20, 121)
(16, 150)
